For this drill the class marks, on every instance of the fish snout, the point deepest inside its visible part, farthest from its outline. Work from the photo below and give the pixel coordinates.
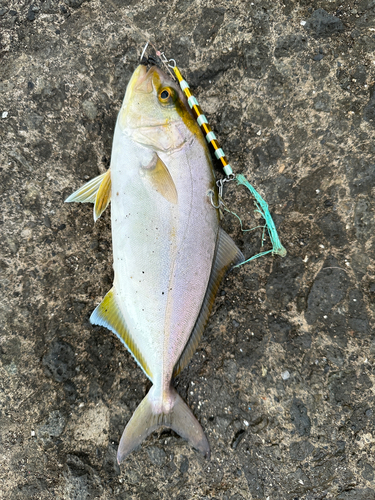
(138, 78)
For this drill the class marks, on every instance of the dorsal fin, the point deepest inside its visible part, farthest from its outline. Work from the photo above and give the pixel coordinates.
(108, 314)
(227, 254)
(97, 191)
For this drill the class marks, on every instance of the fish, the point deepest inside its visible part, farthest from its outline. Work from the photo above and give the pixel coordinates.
(169, 251)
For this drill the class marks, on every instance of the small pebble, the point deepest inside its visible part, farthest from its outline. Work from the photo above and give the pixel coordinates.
(5, 114)
(285, 375)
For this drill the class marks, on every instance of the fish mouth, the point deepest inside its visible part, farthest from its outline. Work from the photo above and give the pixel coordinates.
(141, 76)
(141, 82)
(144, 82)
(138, 77)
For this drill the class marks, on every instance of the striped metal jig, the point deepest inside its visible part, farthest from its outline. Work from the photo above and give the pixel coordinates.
(261, 205)
(202, 121)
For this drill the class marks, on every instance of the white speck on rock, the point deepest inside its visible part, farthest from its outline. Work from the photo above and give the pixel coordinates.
(90, 110)
(4, 114)
(302, 23)
(285, 375)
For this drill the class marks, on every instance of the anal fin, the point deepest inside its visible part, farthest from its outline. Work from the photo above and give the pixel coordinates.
(108, 314)
(227, 254)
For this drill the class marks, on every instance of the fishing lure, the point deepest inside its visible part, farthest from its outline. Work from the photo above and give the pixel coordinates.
(169, 251)
(261, 205)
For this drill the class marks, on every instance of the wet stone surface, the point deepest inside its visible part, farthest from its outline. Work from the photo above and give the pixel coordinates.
(283, 379)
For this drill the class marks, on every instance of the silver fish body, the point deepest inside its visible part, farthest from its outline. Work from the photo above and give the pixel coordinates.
(169, 253)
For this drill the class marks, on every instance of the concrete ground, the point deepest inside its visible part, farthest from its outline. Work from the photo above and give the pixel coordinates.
(283, 379)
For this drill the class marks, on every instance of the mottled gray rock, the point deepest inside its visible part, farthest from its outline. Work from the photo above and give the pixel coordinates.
(60, 360)
(52, 426)
(300, 418)
(357, 494)
(285, 46)
(328, 289)
(300, 450)
(293, 106)
(369, 110)
(322, 23)
(283, 282)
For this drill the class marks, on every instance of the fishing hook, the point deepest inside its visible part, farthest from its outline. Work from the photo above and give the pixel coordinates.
(210, 194)
(220, 185)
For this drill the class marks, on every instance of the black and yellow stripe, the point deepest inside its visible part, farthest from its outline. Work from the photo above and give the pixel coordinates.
(202, 122)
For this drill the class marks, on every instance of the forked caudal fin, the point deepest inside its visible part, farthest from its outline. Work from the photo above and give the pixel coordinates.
(146, 419)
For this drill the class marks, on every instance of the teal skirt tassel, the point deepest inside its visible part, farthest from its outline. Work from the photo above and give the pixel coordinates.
(262, 208)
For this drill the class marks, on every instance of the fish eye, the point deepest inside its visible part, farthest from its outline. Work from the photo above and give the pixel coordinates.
(164, 95)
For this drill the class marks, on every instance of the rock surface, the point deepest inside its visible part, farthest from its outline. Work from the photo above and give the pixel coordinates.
(288, 87)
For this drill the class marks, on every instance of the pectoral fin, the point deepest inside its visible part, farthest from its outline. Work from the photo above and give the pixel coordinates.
(227, 254)
(108, 314)
(103, 196)
(97, 191)
(161, 180)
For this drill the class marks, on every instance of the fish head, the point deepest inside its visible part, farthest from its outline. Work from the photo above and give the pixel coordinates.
(155, 112)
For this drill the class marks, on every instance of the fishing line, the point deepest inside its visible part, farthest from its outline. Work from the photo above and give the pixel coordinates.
(261, 205)
(147, 39)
